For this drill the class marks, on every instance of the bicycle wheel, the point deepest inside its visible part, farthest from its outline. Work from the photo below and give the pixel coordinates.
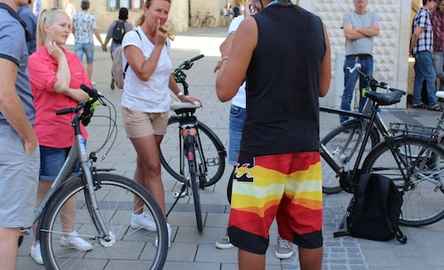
(211, 159)
(343, 144)
(416, 167)
(115, 196)
(192, 170)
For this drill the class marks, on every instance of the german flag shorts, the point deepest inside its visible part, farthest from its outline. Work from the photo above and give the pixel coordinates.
(287, 187)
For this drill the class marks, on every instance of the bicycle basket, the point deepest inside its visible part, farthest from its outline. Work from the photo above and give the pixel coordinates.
(410, 129)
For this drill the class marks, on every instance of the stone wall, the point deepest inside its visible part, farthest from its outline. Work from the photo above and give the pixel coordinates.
(391, 47)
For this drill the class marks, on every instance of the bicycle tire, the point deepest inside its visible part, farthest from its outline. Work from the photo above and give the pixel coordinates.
(420, 169)
(343, 133)
(219, 149)
(75, 186)
(192, 167)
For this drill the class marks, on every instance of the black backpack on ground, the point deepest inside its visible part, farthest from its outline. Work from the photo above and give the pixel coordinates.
(374, 211)
(118, 32)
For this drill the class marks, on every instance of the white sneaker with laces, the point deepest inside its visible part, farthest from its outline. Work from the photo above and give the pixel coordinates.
(143, 221)
(36, 253)
(73, 240)
(284, 249)
(224, 243)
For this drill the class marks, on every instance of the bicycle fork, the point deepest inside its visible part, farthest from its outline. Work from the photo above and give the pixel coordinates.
(106, 237)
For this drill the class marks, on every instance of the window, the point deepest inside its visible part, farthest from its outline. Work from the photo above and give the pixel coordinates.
(130, 4)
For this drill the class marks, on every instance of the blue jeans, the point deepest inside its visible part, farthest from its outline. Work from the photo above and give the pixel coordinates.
(85, 49)
(424, 71)
(350, 80)
(237, 121)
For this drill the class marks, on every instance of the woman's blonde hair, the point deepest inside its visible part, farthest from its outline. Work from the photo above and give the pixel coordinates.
(147, 4)
(46, 18)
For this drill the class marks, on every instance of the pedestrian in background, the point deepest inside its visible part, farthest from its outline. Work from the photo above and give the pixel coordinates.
(84, 29)
(361, 26)
(116, 32)
(438, 43)
(19, 155)
(26, 14)
(421, 46)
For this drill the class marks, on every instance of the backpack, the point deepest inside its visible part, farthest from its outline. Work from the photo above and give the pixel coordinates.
(117, 70)
(374, 210)
(118, 32)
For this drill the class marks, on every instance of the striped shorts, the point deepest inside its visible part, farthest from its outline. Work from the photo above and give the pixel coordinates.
(287, 187)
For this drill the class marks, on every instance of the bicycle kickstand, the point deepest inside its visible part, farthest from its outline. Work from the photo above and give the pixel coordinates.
(178, 195)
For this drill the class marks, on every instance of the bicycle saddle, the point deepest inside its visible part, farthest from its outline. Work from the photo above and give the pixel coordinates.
(184, 107)
(386, 99)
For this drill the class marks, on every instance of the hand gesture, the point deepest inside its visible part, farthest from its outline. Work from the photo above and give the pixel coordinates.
(190, 99)
(54, 50)
(161, 35)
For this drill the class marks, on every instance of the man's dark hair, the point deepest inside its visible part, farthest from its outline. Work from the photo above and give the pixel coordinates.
(236, 11)
(123, 14)
(84, 5)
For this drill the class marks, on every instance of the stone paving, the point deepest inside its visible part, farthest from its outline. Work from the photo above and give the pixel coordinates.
(193, 251)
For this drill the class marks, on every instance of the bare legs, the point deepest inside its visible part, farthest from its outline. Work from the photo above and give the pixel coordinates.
(148, 169)
(8, 248)
(309, 259)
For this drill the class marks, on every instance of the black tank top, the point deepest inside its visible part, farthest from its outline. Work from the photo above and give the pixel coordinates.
(283, 82)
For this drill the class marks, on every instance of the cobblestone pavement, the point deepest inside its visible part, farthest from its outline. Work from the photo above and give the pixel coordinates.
(193, 251)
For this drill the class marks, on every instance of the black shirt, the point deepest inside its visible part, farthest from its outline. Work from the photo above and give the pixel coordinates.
(283, 82)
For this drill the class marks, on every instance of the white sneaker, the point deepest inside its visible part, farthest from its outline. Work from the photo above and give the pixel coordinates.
(73, 240)
(284, 249)
(169, 236)
(36, 253)
(224, 243)
(143, 221)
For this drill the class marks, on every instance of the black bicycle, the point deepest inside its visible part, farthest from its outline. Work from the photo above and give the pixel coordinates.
(412, 161)
(190, 151)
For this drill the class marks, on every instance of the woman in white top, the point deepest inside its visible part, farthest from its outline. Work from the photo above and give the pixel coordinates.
(146, 99)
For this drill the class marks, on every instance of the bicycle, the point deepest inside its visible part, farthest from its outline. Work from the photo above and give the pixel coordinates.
(198, 146)
(104, 202)
(408, 159)
(208, 21)
(195, 20)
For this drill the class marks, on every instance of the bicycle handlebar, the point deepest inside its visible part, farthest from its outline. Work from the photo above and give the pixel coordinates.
(86, 107)
(372, 82)
(180, 76)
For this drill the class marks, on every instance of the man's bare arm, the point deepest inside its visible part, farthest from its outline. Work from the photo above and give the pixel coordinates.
(325, 75)
(236, 60)
(11, 107)
(351, 34)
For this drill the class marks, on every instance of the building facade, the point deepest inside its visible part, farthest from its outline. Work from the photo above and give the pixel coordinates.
(391, 47)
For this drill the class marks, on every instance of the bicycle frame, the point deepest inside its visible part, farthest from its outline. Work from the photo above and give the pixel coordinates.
(77, 153)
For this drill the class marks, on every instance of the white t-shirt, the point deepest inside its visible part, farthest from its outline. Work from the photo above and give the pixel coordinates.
(240, 99)
(152, 95)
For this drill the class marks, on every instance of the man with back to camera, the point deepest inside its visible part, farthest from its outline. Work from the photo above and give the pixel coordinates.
(19, 155)
(360, 28)
(283, 53)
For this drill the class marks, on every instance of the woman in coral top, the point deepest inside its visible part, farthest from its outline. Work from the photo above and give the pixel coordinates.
(56, 75)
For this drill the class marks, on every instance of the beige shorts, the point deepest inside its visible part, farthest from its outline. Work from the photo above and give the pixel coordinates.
(141, 124)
